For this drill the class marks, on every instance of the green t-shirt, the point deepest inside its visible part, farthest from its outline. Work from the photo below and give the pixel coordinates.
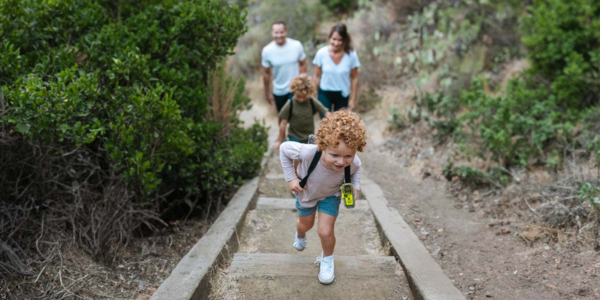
(302, 123)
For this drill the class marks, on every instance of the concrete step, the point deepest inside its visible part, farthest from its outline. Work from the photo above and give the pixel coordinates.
(273, 230)
(287, 276)
(274, 187)
(290, 204)
(278, 176)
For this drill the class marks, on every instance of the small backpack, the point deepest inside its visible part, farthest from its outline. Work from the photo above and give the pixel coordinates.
(312, 105)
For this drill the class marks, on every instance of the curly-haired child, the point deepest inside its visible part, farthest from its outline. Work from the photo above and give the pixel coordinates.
(339, 137)
(298, 112)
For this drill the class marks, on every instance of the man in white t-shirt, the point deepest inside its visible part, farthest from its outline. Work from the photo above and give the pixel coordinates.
(282, 60)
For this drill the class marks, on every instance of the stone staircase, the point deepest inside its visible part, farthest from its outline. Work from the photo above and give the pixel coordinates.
(266, 266)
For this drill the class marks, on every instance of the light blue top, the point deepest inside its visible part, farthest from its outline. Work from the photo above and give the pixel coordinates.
(284, 61)
(336, 77)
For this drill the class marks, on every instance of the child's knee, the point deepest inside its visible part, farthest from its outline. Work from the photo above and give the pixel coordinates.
(325, 232)
(305, 224)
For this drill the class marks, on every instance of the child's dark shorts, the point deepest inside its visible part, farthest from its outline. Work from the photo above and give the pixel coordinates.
(329, 205)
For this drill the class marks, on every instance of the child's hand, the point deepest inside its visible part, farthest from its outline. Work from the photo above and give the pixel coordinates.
(294, 185)
(276, 145)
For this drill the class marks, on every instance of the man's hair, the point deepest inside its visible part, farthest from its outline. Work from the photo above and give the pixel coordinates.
(279, 22)
(342, 125)
(302, 84)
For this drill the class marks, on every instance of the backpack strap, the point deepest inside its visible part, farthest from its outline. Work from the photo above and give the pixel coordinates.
(312, 166)
(347, 174)
(291, 107)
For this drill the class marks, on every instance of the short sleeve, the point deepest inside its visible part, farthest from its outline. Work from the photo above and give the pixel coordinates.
(284, 113)
(302, 53)
(264, 59)
(320, 107)
(354, 62)
(318, 61)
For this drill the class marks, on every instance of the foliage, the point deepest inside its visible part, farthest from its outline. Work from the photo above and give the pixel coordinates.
(396, 120)
(338, 6)
(515, 127)
(563, 39)
(537, 111)
(124, 83)
(301, 17)
(474, 178)
(590, 193)
(456, 39)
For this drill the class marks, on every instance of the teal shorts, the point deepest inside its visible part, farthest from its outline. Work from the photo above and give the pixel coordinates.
(329, 205)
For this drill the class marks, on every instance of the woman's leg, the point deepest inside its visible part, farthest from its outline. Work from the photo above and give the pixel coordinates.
(339, 101)
(326, 233)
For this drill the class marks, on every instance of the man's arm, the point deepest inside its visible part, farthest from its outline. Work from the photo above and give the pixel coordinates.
(302, 65)
(353, 88)
(267, 75)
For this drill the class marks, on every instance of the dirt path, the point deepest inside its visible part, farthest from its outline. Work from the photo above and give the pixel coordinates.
(484, 262)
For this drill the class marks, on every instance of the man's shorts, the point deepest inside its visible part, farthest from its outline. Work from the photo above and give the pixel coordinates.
(281, 100)
(329, 205)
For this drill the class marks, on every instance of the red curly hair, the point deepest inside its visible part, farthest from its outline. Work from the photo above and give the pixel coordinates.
(342, 125)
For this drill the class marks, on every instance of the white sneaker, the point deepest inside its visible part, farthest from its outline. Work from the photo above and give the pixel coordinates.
(299, 243)
(326, 269)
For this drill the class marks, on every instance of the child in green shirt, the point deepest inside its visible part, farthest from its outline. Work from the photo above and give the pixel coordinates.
(299, 111)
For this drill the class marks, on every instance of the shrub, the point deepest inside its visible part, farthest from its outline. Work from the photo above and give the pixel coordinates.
(338, 6)
(113, 99)
(563, 39)
(515, 127)
(301, 17)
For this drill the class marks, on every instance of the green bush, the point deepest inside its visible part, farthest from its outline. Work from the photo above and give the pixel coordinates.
(517, 126)
(301, 18)
(337, 6)
(563, 39)
(126, 83)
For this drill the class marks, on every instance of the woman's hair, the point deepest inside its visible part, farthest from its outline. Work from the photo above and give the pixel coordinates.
(342, 125)
(340, 28)
(302, 84)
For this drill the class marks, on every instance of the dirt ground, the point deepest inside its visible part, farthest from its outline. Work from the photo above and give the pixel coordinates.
(489, 247)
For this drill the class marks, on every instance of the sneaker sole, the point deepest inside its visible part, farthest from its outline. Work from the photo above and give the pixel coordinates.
(326, 282)
(297, 248)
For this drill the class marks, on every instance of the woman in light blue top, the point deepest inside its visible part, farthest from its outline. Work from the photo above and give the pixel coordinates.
(336, 71)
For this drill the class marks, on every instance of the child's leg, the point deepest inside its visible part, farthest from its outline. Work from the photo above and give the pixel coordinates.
(326, 233)
(305, 224)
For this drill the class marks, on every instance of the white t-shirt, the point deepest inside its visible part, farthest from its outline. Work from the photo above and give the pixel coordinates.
(284, 61)
(336, 77)
(322, 182)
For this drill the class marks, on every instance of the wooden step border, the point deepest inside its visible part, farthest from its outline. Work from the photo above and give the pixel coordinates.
(425, 276)
(190, 280)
